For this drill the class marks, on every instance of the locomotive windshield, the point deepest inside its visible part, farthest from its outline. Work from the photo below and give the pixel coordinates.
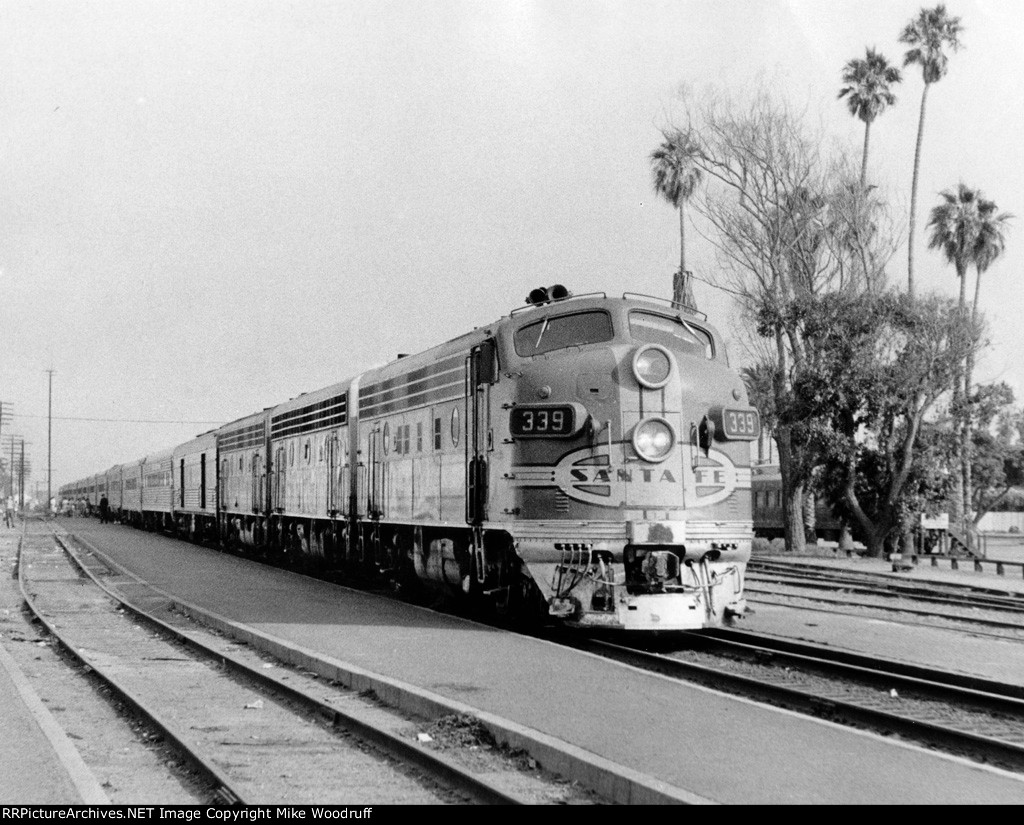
(560, 331)
(672, 332)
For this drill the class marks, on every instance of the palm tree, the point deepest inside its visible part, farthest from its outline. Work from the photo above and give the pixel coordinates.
(988, 245)
(868, 93)
(927, 35)
(969, 232)
(676, 177)
(954, 225)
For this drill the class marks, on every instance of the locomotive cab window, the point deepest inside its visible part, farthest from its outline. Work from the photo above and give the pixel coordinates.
(671, 331)
(560, 331)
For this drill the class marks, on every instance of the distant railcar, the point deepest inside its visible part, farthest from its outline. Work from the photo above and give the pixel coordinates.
(195, 487)
(115, 490)
(766, 488)
(584, 456)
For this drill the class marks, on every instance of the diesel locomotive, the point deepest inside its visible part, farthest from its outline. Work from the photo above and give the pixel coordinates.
(586, 457)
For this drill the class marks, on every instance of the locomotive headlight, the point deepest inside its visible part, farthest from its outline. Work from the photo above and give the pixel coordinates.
(652, 366)
(653, 439)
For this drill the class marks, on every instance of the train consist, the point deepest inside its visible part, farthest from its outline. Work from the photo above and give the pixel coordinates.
(587, 457)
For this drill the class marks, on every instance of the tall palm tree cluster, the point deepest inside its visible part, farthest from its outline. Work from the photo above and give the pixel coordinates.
(965, 226)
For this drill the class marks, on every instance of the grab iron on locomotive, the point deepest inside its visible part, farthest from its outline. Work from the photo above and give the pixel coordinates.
(584, 455)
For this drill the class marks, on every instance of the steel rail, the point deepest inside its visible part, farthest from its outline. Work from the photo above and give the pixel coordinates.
(443, 770)
(883, 592)
(756, 646)
(984, 747)
(881, 582)
(223, 792)
(887, 608)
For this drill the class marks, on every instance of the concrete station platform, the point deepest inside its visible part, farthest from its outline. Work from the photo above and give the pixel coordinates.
(638, 737)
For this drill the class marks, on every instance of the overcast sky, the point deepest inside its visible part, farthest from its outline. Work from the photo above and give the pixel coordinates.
(209, 207)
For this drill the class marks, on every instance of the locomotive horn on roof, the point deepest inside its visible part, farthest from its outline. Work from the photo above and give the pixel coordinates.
(545, 294)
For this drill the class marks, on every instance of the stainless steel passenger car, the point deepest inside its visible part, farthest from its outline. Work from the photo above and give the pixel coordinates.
(115, 490)
(157, 492)
(194, 465)
(131, 493)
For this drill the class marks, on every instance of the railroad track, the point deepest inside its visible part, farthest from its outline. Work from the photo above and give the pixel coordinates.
(972, 717)
(1001, 616)
(968, 717)
(259, 732)
(880, 584)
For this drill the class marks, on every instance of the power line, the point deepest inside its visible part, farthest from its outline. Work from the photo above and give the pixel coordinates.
(121, 420)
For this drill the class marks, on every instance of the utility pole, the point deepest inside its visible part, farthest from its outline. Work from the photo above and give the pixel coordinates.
(15, 441)
(5, 415)
(49, 433)
(12, 439)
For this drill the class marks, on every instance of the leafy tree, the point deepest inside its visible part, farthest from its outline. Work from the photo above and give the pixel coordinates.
(868, 92)
(998, 452)
(789, 223)
(881, 363)
(928, 35)
(676, 176)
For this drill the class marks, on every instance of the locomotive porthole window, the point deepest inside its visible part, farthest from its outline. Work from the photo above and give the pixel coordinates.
(386, 437)
(307, 452)
(455, 427)
(240, 465)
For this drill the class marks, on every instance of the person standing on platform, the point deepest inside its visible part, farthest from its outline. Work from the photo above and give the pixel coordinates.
(9, 511)
(104, 510)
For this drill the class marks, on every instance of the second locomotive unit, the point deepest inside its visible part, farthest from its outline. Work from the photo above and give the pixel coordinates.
(587, 455)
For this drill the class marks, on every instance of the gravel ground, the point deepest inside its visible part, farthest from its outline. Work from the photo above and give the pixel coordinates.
(135, 766)
(129, 759)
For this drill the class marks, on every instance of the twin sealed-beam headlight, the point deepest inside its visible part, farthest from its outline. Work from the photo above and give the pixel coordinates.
(653, 439)
(652, 366)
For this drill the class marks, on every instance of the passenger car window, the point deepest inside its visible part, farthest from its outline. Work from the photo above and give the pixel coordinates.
(671, 331)
(560, 331)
